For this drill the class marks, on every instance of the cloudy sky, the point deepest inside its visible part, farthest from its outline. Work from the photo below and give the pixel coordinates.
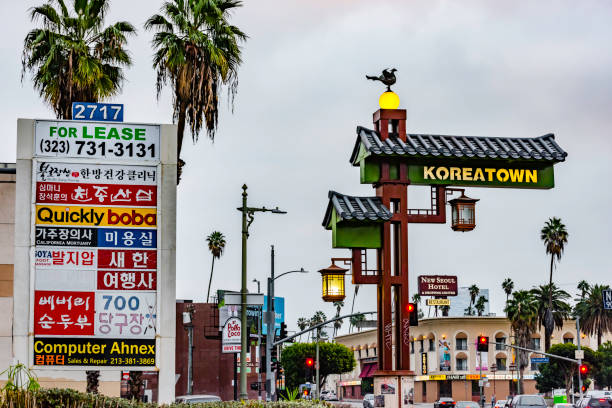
(509, 69)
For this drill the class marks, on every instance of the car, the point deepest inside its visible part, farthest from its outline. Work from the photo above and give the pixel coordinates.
(500, 404)
(528, 401)
(466, 404)
(368, 401)
(195, 399)
(329, 396)
(563, 405)
(594, 402)
(444, 402)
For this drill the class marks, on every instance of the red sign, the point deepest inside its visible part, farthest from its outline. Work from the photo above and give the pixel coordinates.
(64, 313)
(99, 194)
(127, 280)
(127, 259)
(437, 285)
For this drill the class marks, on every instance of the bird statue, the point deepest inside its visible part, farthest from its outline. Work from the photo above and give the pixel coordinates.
(387, 78)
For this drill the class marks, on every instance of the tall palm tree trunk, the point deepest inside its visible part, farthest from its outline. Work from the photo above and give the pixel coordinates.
(210, 279)
(180, 129)
(549, 323)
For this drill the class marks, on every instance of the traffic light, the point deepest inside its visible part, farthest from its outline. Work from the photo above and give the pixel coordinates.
(309, 362)
(412, 310)
(584, 370)
(283, 330)
(483, 343)
(584, 388)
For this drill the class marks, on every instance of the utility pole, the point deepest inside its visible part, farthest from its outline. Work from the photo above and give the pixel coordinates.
(248, 215)
(481, 381)
(270, 383)
(318, 391)
(260, 317)
(579, 360)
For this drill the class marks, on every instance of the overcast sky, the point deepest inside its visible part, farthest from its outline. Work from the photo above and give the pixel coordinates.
(508, 69)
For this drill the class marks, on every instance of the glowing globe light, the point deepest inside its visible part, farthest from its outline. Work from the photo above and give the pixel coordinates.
(389, 100)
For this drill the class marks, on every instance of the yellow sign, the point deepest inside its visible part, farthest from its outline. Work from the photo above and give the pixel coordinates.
(438, 377)
(96, 216)
(472, 377)
(438, 302)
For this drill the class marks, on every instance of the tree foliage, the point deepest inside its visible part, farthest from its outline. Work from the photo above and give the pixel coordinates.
(594, 318)
(558, 373)
(522, 312)
(603, 373)
(334, 359)
(72, 56)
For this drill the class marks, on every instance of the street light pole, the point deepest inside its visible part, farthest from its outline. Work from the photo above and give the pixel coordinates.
(579, 360)
(259, 342)
(248, 215)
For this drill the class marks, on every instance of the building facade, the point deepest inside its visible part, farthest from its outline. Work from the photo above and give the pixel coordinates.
(445, 361)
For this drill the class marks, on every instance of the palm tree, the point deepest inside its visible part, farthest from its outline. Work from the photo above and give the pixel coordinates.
(303, 323)
(338, 323)
(480, 305)
(318, 318)
(355, 320)
(72, 56)
(474, 292)
(522, 311)
(584, 288)
(445, 310)
(216, 245)
(196, 50)
(594, 318)
(561, 310)
(353, 306)
(554, 235)
(508, 286)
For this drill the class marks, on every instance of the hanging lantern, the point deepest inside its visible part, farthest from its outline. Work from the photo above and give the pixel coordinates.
(463, 213)
(333, 283)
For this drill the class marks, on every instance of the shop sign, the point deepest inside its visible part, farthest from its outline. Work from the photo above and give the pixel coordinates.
(96, 216)
(424, 367)
(231, 336)
(60, 258)
(527, 176)
(121, 141)
(127, 259)
(94, 352)
(63, 313)
(437, 285)
(98, 194)
(127, 280)
(95, 237)
(437, 302)
(95, 173)
(126, 314)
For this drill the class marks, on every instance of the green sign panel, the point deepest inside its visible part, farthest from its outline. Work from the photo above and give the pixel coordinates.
(484, 176)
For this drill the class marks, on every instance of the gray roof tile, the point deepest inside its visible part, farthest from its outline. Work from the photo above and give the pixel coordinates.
(543, 148)
(356, 208)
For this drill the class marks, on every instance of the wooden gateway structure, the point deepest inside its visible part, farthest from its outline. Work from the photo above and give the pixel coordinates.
(391, 160)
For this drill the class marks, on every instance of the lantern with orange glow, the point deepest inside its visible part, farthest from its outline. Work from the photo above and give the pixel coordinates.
(333, 283)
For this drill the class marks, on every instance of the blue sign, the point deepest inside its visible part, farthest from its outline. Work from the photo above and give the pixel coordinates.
(279, 312)
(607, 298)
(127, 238)
(539, 360)
(105, 112)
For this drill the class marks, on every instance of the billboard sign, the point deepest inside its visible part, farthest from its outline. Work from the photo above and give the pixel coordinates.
(95, 217)
(230, 336)
(279, 313)
(437, 285)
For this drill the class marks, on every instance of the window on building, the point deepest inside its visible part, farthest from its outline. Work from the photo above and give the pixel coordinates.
(424, 388)
(359, 353)
(461, 364)
(461, 344)
(500, 340)
(535, 343)
(501, 364)
(421, 346)
(412, 347)
(432, 346)
(568, 340)
(534, 366)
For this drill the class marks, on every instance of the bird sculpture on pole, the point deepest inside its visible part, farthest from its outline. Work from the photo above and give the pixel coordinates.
(387, 77)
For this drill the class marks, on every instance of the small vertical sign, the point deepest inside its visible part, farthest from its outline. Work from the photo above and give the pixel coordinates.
(607, 299)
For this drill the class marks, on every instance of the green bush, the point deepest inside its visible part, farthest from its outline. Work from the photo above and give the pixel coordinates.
(67, 398)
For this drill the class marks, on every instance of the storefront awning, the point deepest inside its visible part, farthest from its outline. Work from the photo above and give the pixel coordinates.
(368, 370)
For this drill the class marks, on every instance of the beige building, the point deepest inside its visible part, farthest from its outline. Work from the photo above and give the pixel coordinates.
(7, 233)
(445, 361)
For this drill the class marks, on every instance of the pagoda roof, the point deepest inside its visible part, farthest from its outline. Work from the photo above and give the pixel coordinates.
(356, 208)
(539, 149)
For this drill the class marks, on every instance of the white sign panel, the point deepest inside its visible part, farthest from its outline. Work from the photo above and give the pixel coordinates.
(126, 314)
(62, 258)
(95, 173)
(123, 141)
(230, 337)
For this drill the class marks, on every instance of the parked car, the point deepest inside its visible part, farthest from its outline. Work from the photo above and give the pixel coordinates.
(563, 405)
(368, 401)
(466, 404)
(528, 401)
(444, 402)
(194, 399)
(329, 396)
(500, 404)
(594, 402)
